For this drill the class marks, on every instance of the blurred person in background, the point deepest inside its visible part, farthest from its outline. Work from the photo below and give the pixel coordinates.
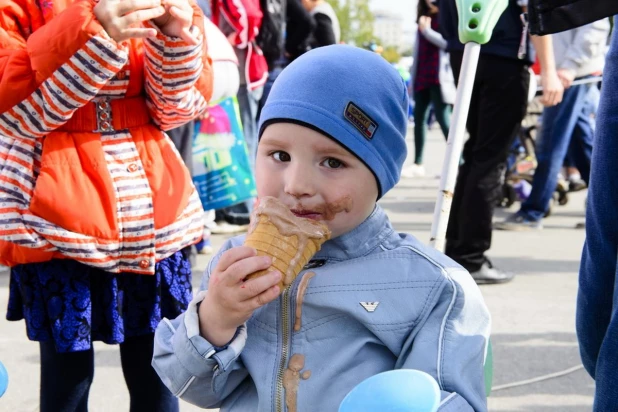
(498, 105)
(240, 21)
(579, 53)
(326, 30)
(285, 31)
(431, 82)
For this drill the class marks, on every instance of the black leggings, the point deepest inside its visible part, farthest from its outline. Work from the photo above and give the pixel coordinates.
(66, 378)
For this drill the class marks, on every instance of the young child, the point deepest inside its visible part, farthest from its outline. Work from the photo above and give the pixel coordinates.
(371, 300)
(95, 202)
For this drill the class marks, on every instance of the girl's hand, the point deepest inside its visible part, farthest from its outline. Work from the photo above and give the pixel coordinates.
(424, 22)
(230, 301)
(121, 18)
(177, 20)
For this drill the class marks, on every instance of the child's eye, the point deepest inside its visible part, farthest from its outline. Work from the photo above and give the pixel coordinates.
(333, 163)
(280, 156)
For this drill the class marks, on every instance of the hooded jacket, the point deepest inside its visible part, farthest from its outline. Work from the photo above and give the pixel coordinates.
(378, 301)
(86, 172)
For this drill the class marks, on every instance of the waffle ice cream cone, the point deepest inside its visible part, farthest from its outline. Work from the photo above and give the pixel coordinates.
(291, 241)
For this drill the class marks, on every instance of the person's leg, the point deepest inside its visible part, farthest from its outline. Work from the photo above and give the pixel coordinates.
(65, 379)
(247, 118)
(421, 111)
(457, 213)
(502, 99)
(597, 300)
(558, 125)
(147, 392)
(568, 159)
(441, 110)
(582, 140)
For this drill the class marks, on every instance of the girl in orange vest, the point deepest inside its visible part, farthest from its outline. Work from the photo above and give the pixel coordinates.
(95, 204)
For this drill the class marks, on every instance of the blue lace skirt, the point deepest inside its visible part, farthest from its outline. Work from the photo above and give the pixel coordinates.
(74, 304)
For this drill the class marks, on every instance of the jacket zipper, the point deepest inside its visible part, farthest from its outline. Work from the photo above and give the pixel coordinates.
(285, 350)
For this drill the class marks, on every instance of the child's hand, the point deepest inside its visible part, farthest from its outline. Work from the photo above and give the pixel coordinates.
(177, 20)
(230, 300)
(121, 18)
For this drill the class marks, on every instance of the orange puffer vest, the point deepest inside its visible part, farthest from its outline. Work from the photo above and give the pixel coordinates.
(86, 172)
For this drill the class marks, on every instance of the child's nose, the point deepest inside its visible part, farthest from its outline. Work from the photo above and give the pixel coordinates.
(299, 182)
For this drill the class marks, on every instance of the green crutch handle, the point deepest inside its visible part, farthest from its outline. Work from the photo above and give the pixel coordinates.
(477, 19)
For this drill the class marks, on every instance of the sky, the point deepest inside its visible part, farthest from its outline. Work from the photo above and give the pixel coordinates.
(405, 8)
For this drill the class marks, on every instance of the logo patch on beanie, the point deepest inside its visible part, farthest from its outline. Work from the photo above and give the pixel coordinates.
(360, 120)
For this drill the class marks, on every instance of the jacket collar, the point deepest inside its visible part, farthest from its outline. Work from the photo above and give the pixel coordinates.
(375, 230)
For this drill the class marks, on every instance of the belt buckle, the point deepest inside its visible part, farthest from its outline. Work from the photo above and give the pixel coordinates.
(103, 109)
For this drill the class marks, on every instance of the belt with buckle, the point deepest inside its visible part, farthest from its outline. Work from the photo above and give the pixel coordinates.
(109, 115)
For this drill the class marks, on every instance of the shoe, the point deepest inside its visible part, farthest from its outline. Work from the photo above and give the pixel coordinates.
(575, 185)
(204, 247)
(413, 170)
(225, 228)
(518, 223)
(238, 219)
(489, 275)
(206, 250)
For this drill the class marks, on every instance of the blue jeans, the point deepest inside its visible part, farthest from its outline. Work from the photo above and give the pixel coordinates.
(597, 299)
(591, 107)
(570, 120)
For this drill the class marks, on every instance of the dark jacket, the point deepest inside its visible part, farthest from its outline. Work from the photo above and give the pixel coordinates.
(300, 25)
(271, 36)
(559, 15)
(323, 34)
(286, 26)
(506, 36)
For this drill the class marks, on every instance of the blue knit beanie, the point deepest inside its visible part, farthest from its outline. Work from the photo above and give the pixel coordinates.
(353, 96)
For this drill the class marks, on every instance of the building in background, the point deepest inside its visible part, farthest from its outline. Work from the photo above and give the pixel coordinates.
(389, 28)
(409, 37)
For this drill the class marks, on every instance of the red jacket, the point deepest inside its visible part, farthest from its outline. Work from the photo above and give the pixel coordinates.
(245, 17)
(86, 172)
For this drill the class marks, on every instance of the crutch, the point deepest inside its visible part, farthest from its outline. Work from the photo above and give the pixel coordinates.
(477, 19)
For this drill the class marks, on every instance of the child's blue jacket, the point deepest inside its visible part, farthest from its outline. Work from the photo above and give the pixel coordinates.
(428, 315)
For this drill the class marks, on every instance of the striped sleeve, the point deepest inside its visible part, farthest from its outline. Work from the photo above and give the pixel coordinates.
(70, 86)
(172, 69)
